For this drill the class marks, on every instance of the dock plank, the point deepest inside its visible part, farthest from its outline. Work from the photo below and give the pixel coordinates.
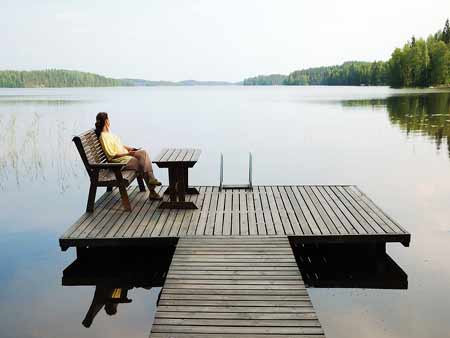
(349, 205)
(235, 214)
(274, 211)
(227, 213)
(304, 228)
(394, 226)
(322, 212)
(200, 301)
(270, 227)
(306, 213)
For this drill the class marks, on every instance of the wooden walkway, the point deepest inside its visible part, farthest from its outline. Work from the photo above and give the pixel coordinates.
(304, 213)
(233, 273)
(244, 287)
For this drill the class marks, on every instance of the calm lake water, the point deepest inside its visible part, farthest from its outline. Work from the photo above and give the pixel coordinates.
(393, 144)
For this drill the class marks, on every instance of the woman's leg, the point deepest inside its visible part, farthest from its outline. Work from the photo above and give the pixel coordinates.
(142, 164)
(145, 166)
(133, 164)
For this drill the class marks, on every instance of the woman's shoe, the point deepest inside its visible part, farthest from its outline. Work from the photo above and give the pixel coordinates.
(154, 196)
(154, 181)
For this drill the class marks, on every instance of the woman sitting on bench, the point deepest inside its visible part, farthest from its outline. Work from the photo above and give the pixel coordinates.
(135, 159)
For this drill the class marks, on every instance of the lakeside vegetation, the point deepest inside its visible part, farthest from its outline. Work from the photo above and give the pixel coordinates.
(265, 80)
(60, 78)
(420, 63)
(420, 114)
(353, 73)
(55, 78)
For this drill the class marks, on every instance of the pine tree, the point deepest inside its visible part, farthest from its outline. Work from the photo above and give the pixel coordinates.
(446, 32)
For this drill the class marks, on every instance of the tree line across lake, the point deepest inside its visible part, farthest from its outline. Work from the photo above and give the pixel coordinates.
(420, 63)
(55, 78)
(60, 78)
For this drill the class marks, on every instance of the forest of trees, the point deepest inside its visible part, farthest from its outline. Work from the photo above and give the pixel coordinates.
(353, 73)
(55, 78)
(420, 63)
(59, 78)
(265, 80)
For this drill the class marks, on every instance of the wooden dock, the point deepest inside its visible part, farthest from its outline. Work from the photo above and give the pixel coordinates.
(233, 274)
(245, 287)
(303, 213)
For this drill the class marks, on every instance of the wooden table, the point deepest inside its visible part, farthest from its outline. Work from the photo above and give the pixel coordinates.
(178, 161)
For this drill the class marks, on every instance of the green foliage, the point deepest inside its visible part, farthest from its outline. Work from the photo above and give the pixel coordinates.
(423, 114)
(348, 74)
(439, 63)
(56, 78)
(419, 63)
(446, 32)
(265, 80)
(395, 68)
(422, 63)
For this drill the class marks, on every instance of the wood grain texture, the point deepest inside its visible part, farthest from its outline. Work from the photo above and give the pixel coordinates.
(303, 213)
(217, 300)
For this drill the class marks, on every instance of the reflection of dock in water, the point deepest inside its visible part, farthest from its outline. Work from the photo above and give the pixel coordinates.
(114, 272)
(348, 266)
(233, 273)
(265, 292)
(119, 267)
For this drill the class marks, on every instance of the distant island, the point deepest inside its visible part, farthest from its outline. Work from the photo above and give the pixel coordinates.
(60, 78)
(420, 63)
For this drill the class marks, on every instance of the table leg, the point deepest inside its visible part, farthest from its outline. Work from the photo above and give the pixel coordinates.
(177, 190)
(172, 184)
(181, 184)
(188, 190)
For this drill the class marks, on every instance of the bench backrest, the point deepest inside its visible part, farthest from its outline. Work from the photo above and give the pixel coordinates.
(90, 149)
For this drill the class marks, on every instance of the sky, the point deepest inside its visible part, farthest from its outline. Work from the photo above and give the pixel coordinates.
(207, 39)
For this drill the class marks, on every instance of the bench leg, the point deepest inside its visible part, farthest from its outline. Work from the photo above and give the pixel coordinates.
(92, 192)
(123, 190)
(141, 184)
(91, 198)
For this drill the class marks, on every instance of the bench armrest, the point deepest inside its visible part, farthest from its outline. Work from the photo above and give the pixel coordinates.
(107, 165)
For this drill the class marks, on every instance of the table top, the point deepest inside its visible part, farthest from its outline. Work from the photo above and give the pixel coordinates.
(177, 157)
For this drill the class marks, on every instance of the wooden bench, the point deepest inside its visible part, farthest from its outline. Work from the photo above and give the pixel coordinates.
(103, 173)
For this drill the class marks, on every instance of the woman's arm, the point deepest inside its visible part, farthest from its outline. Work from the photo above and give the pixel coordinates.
(130, 153)
(131, 148)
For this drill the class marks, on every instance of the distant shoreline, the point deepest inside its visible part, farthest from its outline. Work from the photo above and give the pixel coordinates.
(62, 78)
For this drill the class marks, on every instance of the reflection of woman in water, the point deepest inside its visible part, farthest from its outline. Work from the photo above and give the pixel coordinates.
(135, 159)
(107, 297)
